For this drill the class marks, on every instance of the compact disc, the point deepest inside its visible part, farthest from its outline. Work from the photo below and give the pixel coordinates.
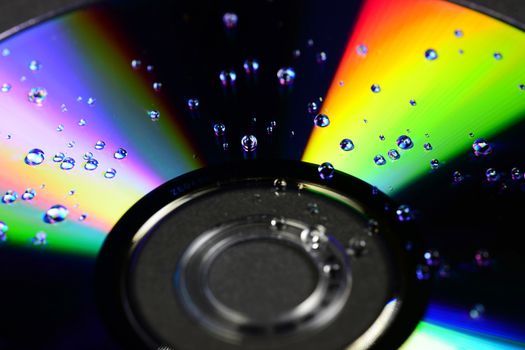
(271, 175)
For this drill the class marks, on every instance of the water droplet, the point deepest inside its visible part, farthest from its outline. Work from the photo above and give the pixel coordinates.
(382, 137)
(6, 87)
(83, 217)
(434, 164)
(521, 86)
(431, 54)
(321, 120)
(34, 157)
(157, 86)
(477, 311)
(326, 171)
(379, 160)
(135, 64)
(3, 230)
(362, 50)
(313, 208)
(82, 122)
(71, 192)
(91, 164)
(91, 101)
(110, 173)
(100, 145)
(321, 57)
(346, 145)
(356, 247)
(457, 177)
(219, 129)
(413, 102)
(57, 158)
(394, 154)
(491, 175)
(60, 128)
(63, 107)
(286, 76)
(375, 88)
(251, 66)
(71, 144)
(230, 20)
(6, 52)
(481, 147)
(249, 143)
(516, 174)
(9, 197)
(310, 42)
(498, 56)
(29, 194)
(279, 186)
(55, 214)
(423, 272)
(373, 227)
(458, 33)
(34, 65)
(404, 213)
(87, 156)
(312, 108)
(121, 153)
(296, 53)
(193, 104)
(39, 239)
(79, 99)
(314, 237)
(37, 95)
(427, 146)
(67, 164)
(228, 77)
(432, 257)
(404, 142)
(482, 258)
(225, 146)
(154, 115)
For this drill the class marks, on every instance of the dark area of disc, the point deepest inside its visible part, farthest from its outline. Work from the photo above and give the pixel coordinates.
(262, 278)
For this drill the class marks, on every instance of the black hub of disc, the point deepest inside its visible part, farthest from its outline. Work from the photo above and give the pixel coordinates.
(261, 257)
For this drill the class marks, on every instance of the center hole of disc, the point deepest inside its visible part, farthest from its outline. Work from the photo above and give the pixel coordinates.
(262, 278)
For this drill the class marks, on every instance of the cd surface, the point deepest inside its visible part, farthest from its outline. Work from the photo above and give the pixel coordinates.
(410, 113)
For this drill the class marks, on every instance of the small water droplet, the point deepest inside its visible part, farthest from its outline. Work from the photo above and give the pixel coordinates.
(427, 146)
(251, 66)
(310, 42)
(157, 86)
(39, 239)
(477, 312)
(3, 231)
(362, 50)
(71, 193)
(82, 122)
(382, 137)
(110, 173)
(193, 104)
(481, 147)
(431, 54)
(321, 120)
(423, 272)
(379, 160)
(230, 20)
(6, 87)
(346, 145)
(326, 171)
(136, 64)
(312, 107)
(121, 153)
(34, 65)
(57, 158)
(100, 145)
(60, 128)
(225, 146)
(314, 238)
(91, 164)
(457, 177)
(249, 143)
(394, 154)
(375, 88)
(55, 214)
(63, 107)
(34, 157)
(71, 144)
(434, 164)
(9, 197)
(279, 186)
(286, 76)
(91, 101)
(404, 142)
(28, 194)
(321, 57)
(87, 156)
(228, 77)
(498, 56)
(67, 164)
(404, 213)
(482, 258)
(154, 115)
(6, 52)
(521, 86)
(219, 129)
(356, 247)
(150, 68)
(313, 208)
(413, 102)
(83, 217)
(492, 175)
(432, 257)
(373, 227)
(458, 33)
(516, 174)
(37, 95)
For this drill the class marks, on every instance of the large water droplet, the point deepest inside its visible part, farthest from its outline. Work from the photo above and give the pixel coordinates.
(249, 143)
(321, 120)
(431, 54)
(110, 173)
(91, 164)
(219, 129)
(346, 145)
(67, 164)
(37, 95)
(404, 142)
(379, 160)
(481, 147)
(286, 76)
(230, 20)
(55, 214)
(121, 153)
(9, 197)
(34, 157)
(228, 77)
(326, 171)
(100, 145)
